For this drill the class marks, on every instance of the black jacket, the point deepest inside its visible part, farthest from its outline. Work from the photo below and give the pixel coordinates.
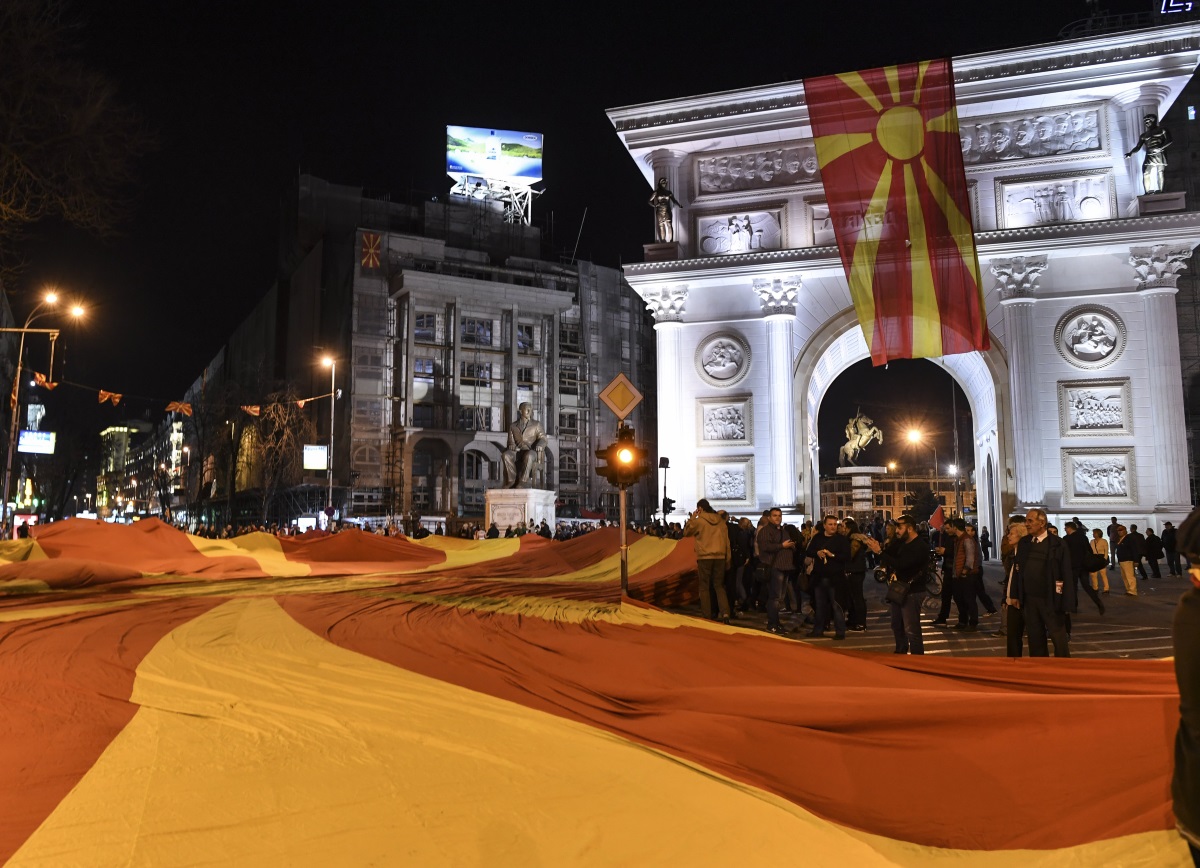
(908, 561)
(832, 568)
(771, 552)
(1058, 563)
(1078, 548)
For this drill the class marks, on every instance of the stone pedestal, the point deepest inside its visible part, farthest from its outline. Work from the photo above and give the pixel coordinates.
(508, 507)
(661, 252)
(862, 488)
(1161, 203)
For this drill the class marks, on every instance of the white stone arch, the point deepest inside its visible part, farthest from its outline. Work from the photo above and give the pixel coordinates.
(982, 375)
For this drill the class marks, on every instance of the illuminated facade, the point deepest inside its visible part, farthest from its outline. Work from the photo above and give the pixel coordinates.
(754, 319)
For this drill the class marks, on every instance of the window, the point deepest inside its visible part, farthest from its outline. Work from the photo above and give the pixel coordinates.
(568, 339)
(476, 374)
(423, 370)
(524, 338)
(425, 329)
(568, 423)
(568, 380)
(475, 418)
(422, 416)
(475, 465)
(568, 468)
(476, 332)
(525, 376)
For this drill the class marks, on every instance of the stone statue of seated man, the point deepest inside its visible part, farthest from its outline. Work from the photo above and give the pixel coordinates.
(526, 446)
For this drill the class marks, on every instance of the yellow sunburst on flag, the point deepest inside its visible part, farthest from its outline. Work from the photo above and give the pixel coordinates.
(887, 143)
(372, 244)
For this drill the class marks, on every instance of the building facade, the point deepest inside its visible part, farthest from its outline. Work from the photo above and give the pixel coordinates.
(754, 319)
(441, 319)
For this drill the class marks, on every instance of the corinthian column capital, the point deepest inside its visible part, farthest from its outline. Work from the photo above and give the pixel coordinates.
(666, 303)
(778, 296)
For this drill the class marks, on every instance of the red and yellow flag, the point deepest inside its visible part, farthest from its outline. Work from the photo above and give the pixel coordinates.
(891, 163)
(371, 245)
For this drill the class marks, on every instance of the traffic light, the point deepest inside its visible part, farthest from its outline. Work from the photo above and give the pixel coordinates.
(624, 461)
(668, 505)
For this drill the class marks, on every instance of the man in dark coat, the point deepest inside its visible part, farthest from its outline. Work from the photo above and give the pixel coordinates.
(830, 552)
(1079, 548)
(1154, 552)
(777, 552)
(1042, 586)
(1169, 536)
(1139, 550)
(948, 539)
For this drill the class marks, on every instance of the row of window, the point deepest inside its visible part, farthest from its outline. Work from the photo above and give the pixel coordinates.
(473, 331)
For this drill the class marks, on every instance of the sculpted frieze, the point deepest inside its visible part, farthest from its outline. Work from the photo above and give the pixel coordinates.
(757, 170)
(725, 234)
(1031, 135)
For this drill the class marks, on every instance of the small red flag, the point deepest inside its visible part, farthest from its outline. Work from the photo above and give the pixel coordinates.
(112, 397)
(40, 379)
(252, 409)
(938, 518)
(180, 407)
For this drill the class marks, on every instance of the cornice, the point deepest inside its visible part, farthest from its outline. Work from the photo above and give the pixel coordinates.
(1075, 62)
(1182, 228)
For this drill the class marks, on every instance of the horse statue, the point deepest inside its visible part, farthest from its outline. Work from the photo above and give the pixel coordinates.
(860, 432)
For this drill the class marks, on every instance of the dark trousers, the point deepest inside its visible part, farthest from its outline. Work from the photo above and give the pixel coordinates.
(981, 593)
(712, 579)
(1154, 568)
(774, 592)
(906, 624)
(1040, 619)
(1173, 566)
(964, 598)
(826, 605)
(1141, 568)
(856, 608)
(947, 596)
(1014, 630)
(1084, 580)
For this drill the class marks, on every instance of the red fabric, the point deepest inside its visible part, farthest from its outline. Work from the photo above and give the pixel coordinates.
(65, 684)
(851, 181)
(968, 753)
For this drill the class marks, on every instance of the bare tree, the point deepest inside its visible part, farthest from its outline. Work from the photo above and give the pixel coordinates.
(67, 143)
(276, 450)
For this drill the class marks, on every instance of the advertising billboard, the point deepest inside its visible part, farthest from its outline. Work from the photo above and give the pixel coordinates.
(315, 457)
(37, 442)
(499, 155)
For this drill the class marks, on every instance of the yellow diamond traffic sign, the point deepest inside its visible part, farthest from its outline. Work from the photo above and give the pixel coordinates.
(621, 396)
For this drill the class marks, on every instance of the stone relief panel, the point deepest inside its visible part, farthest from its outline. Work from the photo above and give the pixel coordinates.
(728, 482)
(820, 222)
(757, 170)
(1053, 199)
(1090, 336)
(1094, 407)
(1032, 135)
(723, 359)
(724, 421)
(1098, 477)
(747, 232)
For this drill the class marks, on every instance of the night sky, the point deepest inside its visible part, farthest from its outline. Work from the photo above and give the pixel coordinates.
(244, 96)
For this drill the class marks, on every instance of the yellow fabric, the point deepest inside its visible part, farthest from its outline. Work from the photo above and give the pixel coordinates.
(17, 550)
(467, 552)
(258, 743)
(926, 318)
(262, 547)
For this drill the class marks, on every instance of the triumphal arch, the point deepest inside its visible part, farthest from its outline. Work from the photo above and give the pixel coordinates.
(1077, 405)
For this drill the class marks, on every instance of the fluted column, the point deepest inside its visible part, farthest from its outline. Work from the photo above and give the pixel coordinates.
(778, 301)
(1025, 394)
(666, 304)
(1158, 270)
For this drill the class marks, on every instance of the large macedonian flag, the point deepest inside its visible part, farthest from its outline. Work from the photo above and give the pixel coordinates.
(887, 142)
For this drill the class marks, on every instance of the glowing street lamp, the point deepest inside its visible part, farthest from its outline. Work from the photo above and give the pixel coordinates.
(916, 436)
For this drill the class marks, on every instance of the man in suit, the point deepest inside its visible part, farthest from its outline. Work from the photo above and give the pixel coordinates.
(1139, 549)
(948, 540)
(1042, 586)
(1079, 548)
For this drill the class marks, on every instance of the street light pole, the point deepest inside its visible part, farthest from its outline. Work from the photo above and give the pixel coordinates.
(50, 299)
(332, 365)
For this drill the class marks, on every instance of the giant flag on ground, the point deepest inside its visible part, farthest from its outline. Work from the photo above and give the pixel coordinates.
(887, 142)
(357, 700)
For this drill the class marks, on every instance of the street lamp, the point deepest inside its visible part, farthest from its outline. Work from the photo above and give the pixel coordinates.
(49, 300)
(331, 363)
